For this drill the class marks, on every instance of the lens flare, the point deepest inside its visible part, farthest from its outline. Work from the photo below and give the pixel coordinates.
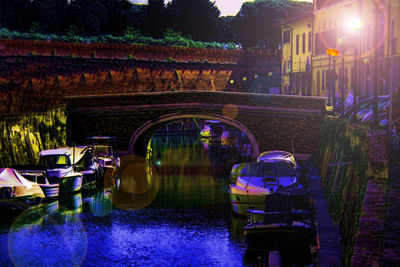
(230, 111)
(136, 183)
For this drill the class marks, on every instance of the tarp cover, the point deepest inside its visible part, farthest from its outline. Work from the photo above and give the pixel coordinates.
(21, 187)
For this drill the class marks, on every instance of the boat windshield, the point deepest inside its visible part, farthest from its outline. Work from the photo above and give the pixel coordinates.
(262, 169)
(55, 161)
(102, 151)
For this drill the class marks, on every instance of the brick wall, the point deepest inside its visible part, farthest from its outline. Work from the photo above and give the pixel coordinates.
(137, 51)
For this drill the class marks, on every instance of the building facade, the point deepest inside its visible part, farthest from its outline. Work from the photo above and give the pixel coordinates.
(296, 55)
(368, 58)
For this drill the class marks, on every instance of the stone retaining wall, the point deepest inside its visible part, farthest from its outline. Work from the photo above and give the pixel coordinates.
(354, 169)
(23, 137)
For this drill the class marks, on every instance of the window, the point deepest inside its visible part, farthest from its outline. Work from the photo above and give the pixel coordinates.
(309, 41)
(303, 48)
(55, 161)
(286, 36)
(297, 44)
(324, 40)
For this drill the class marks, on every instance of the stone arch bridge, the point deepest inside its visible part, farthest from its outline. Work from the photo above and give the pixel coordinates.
(271, 122)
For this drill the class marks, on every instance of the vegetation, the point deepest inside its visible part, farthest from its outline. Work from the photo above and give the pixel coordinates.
(171, 39)
(344, 164)
(122, 21)
(24, 136)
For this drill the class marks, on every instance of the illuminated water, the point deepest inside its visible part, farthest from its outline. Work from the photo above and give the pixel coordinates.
(189, 223)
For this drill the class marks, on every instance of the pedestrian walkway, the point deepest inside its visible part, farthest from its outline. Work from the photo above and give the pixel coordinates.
(329, 252)
(391, 245)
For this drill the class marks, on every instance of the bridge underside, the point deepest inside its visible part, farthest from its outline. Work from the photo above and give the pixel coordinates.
(271, 122)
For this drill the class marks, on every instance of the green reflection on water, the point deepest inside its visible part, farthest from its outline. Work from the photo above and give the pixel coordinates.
(191, 172)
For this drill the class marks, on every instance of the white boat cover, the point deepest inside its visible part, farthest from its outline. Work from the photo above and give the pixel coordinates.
(20, 186)
(277, 155)
(75, 154)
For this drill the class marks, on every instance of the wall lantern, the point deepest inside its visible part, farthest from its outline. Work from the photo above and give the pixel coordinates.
(332, 52)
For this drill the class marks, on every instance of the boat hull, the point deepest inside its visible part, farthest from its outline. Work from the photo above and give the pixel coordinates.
(241, 203)
(71, 183)
(50, 190)
(270, 234)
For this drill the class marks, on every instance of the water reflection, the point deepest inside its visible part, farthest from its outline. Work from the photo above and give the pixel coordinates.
(71, 202)
(47, 235)
(100, 204)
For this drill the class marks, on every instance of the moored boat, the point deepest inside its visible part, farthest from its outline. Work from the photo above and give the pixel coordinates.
(103, 150)
(252, 181)
(279, 221)
(16, 192)
(37, 174)
(71, 182)
(62, 165)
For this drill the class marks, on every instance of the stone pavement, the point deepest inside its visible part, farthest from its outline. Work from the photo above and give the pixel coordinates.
(391, 245)
(329, 252)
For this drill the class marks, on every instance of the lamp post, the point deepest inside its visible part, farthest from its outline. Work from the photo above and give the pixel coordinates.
(342, 43)
(354, 24)
(332, 75)
(376, 57)
(328, 77)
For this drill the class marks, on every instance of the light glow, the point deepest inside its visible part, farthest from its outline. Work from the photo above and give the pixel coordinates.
(353, 24)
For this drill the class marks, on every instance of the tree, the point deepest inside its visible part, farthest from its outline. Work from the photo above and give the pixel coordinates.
(156, 18)
(119, 16)
(15, 14)
(139, 18)
(48, 15)
(197, 18)
(87, 17)
(225, 30)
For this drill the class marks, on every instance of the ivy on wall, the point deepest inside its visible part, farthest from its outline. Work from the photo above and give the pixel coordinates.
(344, 164)
(24, 136)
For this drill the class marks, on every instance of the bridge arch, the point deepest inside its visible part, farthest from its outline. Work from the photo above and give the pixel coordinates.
(140, 139)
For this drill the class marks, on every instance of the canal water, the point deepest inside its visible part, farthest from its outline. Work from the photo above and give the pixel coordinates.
(185, 221)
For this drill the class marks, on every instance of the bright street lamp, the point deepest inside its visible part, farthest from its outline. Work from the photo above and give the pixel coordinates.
(355, 24)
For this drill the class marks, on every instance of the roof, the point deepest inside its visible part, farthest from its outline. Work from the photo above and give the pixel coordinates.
(293, 19)
(74, 153)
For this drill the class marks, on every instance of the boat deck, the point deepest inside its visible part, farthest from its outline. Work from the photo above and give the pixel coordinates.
(329, 253)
